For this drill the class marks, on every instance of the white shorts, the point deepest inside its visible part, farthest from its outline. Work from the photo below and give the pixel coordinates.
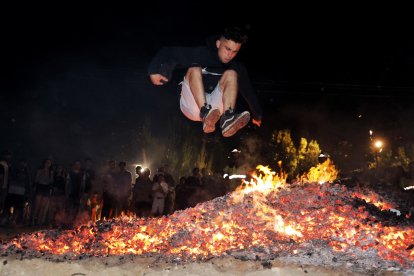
(189, 106)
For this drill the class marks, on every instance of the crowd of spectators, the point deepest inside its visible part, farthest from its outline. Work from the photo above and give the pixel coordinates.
(57, 195)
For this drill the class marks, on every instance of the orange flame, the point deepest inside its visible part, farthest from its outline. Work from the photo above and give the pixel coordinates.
(322, 173)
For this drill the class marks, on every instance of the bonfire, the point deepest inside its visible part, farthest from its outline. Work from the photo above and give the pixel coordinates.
(264, 219)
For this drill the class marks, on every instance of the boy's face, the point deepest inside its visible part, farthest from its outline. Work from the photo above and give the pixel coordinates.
(227, 49)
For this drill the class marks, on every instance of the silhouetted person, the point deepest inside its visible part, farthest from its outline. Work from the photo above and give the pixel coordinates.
(88, 179)
(43, 189)
(109, 189)
(74, 183)
(19, 188)
(5, 168)
(58, 199)
(181, 194)
(142, 194)
(159, 192)
(123, 189)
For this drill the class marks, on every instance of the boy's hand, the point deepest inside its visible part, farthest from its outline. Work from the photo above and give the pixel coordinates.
(158, 79)
(257, 122)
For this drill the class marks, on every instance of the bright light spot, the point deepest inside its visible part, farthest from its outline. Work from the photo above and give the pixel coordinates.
(378, 144)
(237, 176)
(395, 211)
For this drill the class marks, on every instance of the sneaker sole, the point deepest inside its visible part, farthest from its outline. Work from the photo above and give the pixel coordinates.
(238, 124)
(210, 121)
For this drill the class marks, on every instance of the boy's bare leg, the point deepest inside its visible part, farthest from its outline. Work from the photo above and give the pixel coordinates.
(231, 122)
(209, 116)
(195, 80)
(228, 84)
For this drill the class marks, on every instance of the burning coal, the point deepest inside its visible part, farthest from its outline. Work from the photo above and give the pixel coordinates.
(265, 215)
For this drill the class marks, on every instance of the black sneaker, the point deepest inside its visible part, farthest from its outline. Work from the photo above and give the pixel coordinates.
(231, 122)
(210, 116)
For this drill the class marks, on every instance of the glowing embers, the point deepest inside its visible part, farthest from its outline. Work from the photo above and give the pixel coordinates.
(374, 199)
(265, 214)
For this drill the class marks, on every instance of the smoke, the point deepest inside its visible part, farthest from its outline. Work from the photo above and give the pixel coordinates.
(61, 218)
(82, 218)
(252, 151)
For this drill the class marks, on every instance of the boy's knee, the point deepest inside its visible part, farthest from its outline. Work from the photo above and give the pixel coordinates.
(230, 74)
(193, 71)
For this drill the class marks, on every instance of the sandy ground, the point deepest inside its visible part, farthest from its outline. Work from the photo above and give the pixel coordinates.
(149, 266)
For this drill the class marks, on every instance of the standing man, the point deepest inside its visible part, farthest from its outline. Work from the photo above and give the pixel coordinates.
(211, 83)
(123, 189)
(5, 163)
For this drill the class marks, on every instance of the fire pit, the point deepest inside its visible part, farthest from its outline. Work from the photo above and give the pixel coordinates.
(266, 222)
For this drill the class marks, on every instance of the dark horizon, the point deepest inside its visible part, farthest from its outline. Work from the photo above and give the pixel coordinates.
(79, 75)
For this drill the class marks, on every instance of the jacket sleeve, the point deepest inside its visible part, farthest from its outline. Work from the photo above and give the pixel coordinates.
(246, 90)
(169, 58)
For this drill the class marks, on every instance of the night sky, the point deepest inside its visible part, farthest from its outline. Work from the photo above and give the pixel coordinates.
(74, 80)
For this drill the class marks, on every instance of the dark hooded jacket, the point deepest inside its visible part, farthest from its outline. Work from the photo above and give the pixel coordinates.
(169, 59)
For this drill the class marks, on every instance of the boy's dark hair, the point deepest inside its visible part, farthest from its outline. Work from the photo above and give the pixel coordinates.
(235, 34)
